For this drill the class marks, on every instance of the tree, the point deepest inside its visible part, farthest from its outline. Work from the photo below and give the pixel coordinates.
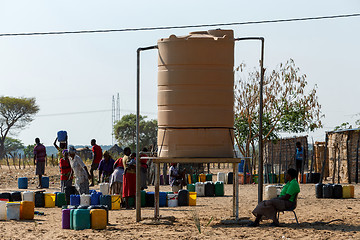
(125, 131)
(287, 107)
(29, 150)
(15, 114)
(12, 146)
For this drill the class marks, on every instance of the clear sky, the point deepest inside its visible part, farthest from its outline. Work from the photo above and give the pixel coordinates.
(81, 73)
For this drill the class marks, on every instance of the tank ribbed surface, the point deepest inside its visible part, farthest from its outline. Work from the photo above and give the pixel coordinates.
(195, 95)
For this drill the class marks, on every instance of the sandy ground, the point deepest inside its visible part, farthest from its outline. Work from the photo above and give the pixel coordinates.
(312, 214)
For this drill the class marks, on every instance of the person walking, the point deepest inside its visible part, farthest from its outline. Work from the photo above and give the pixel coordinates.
(97, 152)
(40, 159)
(65, 171)
(80, 171)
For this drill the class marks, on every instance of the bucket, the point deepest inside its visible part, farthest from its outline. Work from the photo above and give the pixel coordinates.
(115, 202)
(23, 183)
(27, 210)
(221, 177)
(28, 196)
(348, 191)
(270, 192)
(61, 136)
(183, 198)
(172, 200)
(60, 199)
(202, 178)
(75, 200)
(13, 210)
(106, 200)
(39, 199)
(98, 218)
(219, 189)
(192, 198)
(95, 198)
(66, 218)
(49, 200)
(200, 189)
(190, 187)
(45, 182)
(104, 188)
(81, 219)
(85, 200)
(2, 210)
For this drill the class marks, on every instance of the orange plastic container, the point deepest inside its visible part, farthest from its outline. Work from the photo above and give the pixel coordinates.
(202, 177)
(98, 218)
(27, 210)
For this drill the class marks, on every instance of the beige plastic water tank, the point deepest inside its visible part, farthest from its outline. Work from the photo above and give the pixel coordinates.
(195, 95)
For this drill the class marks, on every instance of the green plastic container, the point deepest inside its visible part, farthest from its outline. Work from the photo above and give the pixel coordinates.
(194, 178)
(209, 177)
(71, 218)
(131, 202)
(60, 199)
(256, 178)
(191, 187)
(143, 200)
(270, 178)
(219, 188)
(81, 219)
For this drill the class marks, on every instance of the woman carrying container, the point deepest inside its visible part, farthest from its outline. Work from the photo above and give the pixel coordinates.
(286, 200)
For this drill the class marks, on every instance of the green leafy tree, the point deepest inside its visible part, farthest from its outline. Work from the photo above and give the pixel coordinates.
(12, 146)
(29, 150)
(288, 107)
(15, 114)
(125, 131)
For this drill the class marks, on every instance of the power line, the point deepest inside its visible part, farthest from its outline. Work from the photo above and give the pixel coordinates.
(94, 111)
(180, 27)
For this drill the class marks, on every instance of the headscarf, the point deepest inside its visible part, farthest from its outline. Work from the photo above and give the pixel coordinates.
(72, 149)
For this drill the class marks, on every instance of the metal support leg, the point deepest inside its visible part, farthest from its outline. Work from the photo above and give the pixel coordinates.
(157, 189)
(236, 184)
(234, 191)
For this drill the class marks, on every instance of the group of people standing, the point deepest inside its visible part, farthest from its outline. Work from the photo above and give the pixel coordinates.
(120, 174)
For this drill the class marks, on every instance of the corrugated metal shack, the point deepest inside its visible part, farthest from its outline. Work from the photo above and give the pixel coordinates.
(319, 154)
(279, 155)
(343, 149)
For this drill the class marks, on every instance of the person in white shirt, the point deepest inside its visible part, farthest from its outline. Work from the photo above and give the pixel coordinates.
(81, 172)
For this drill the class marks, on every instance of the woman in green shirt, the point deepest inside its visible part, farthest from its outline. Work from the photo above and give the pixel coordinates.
(286, 200)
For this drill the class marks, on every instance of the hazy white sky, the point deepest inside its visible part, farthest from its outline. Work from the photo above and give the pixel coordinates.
(80, 73)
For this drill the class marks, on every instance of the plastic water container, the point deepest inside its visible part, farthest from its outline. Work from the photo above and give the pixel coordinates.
(23, 183)
(62, 136)
(81, 219)
(2, 210)
(200, 189)
(162, 199)
(230, 177)
(13, 210)
(221, 177)
(60, 199)
(6, 196)
(143, 198)
(85, 200)
(98, 219)
(66, 218)
(209, 189)
(95, 198)
(39, 199)
(150, 199)
(69, 190)
(190, 187)
(337, 191)
(27, 210)
(188, 179)
(209, 177)
(28, 196)
(194, 178)
(45, 182)
(75, 200)
(131, 202)
(115, 202)
(192, 198)
(104, 188)
(49, 200)
(172, 200)
(327, 191)
(319, 190)
(183, 198)
(282, 178)
(202, 178)
(348, 191)
(106, 200)
(219, 188)
(270, 192)
(16, 196)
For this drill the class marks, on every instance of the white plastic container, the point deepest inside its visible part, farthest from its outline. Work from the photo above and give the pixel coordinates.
(28, 196)
(13, 210)
(85, 200)
(172, 200)
(104, 188)
(270, 192)
(2, 210)
(221, 177)
(200, 189)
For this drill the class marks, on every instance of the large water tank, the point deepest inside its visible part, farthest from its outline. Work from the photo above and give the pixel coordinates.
(195, 95)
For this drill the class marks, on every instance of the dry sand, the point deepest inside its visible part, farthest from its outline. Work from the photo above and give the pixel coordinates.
(311, 212)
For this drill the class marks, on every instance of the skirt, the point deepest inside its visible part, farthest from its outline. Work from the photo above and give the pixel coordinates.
(129, 184)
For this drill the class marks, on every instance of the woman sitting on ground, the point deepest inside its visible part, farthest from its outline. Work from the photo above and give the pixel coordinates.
(285, 201)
